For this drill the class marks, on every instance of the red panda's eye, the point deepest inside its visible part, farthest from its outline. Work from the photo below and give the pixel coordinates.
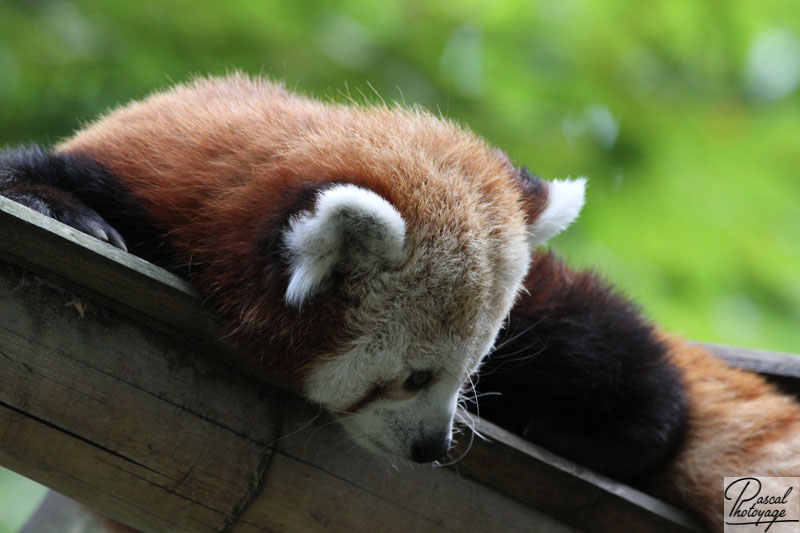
(417, 380)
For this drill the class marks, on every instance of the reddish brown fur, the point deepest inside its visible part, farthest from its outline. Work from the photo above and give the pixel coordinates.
(738, 425)
(223, 161)
(559, 277)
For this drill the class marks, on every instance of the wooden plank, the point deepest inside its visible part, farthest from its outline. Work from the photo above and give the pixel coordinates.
(120, 417)
(110, 276)
(783, 369)
(446, 504)
(566, 490)
(130, 421)
(508, 465)
(363, 491)
(761, 361)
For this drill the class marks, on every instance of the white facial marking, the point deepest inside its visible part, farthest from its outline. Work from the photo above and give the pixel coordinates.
(397, 419)
(350, 228)
(564, 202)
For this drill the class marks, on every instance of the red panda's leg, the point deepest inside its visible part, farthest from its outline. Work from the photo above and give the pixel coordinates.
(581, 371)
(77, 191)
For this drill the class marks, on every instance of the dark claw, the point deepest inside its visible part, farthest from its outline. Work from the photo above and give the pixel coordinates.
(64, 207)
(90, 222)
(95, 230)
(116, 239)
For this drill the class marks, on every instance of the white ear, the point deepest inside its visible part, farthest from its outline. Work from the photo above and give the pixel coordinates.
(350, 229)
(564, 203)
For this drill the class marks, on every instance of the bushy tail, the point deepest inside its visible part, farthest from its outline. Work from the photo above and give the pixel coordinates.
(738, 425)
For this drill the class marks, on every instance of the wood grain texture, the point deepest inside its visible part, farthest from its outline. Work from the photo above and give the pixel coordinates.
(102, 400)
(363, 492)
(108, 275)
(118, 416)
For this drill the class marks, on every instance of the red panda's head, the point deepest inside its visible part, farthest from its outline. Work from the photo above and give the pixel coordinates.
(365, 255)
(427, 288)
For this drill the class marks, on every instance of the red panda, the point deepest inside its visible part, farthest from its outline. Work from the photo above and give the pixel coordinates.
(365, 257)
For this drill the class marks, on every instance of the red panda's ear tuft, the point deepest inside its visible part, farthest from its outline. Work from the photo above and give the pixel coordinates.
(351, 229)
(552, 206)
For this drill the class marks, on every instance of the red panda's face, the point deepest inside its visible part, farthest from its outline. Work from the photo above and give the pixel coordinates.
(427, 303)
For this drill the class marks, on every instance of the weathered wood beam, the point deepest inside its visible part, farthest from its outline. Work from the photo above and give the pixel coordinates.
(107, 275)
(119, 398)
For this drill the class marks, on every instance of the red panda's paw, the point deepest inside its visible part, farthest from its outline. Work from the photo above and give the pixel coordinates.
(90, 222)
(64, 207)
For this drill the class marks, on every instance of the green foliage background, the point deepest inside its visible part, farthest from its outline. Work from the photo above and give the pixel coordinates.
(684, 114)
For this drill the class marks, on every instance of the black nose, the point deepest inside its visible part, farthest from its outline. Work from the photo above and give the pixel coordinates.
(430, 448)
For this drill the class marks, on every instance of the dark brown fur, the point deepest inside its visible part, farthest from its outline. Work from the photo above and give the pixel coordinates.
(581, 372)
